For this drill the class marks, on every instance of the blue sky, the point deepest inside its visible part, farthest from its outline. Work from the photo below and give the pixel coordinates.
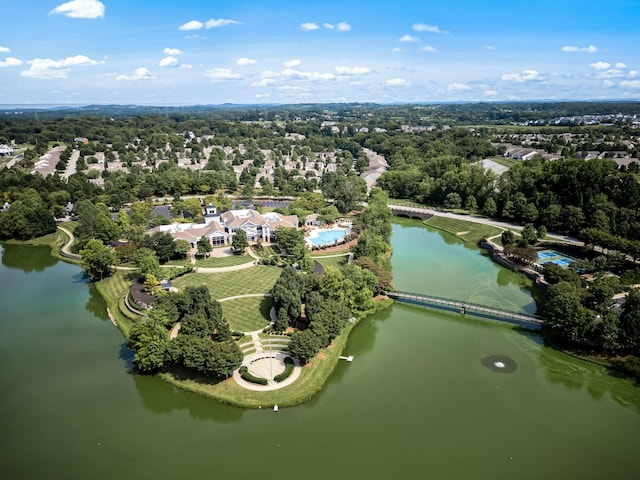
(209, 52)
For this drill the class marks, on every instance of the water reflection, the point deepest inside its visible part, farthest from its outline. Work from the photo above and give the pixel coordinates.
(563, 369)
(27, 258)
(163, 398)
(95, 303)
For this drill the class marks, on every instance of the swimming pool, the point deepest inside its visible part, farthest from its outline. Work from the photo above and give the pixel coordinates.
(326, 237)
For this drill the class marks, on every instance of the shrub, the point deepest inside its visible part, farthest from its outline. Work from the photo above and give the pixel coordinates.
(288, 369)
(245, 374)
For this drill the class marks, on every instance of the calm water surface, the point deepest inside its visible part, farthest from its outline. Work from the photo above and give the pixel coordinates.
(415, 403)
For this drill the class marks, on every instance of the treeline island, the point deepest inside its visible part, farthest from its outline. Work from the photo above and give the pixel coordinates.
(197, 224)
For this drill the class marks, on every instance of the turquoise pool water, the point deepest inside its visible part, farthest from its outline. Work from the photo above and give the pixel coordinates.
(326, 237)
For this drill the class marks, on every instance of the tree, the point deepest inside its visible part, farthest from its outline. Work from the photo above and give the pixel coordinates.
(291, 243)
(304, 345)
(150, 344)
(239, 242)
(630, 321)
(204, 246)
(565, 316)
(490, 208)
(161, 243)
(146, 261)
(98, 260)
(182, 247)
(453, 201)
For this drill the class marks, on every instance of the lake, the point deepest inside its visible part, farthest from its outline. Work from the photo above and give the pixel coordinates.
(416, 402)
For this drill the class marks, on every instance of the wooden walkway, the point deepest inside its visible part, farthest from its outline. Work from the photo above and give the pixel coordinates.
(520, 319)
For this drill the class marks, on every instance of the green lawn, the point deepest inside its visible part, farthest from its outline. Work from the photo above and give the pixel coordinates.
(218, 262)
(474, 231)
(228, 284)
(267, 251)
(247, 314)
(113, 289)
(338, 261)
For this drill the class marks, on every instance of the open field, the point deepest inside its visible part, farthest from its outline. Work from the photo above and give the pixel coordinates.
(247, 314)
(468, 231)
(338, 261)
(228, 284)
(229, 261)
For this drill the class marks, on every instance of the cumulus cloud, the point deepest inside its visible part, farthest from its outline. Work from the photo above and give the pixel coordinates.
(573, 49)
(408, 38)
(297, 74)
(48, 69)
(185, 66)
(308, 26)
(80, 9)
(421, 27)
(220, 22)
(630, 84)
(221, 74)
(600, 65)
(292, 63)
(264, 82)
(343, 27)
(192, 25)
(243, 61)
(342, 70)
(168, 62)
(428, 48)
(620, 65)
(4, 49)
(10, 62)
(395, 82)
(525, 76)
(138, 74)
(173, 52)
(457, 87)
(213, 23)
(489, 93)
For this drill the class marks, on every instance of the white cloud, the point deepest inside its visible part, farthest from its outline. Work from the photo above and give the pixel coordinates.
(489, 93)
(525, 76)
(573, 49)
(342, 70)
(265, 82)
(246, 61)
(600, 65)
(4, 49)
(329, 26)
(620, 65)
(408, 38)
(608, 83)
(313, 76)
(80, 9)
(48, 69)
(630, 84)
(421, 27)
(173, 52)
(138, 74)
(220, 22)
(395, 82)
(308, 26)
(292, 63)
(221, 74)
(262, 95)
(343, 27)
(428, 48)
(192, 25)
(457, 87)
(10, 62)
(168, 62)
(185, 66)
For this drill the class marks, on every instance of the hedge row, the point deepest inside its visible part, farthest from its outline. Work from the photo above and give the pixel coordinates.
(245, 374)
(288, 368)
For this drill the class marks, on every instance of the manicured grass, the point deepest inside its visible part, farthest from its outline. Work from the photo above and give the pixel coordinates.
(247, 314)
(230, 261)
(322, 253)
(258, 279)
(474, 231)
(113, 289)
(338, 261)
(267, 251)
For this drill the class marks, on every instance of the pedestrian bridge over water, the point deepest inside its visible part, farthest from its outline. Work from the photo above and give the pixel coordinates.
(520, 319)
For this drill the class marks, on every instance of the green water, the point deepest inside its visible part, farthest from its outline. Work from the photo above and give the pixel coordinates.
(415, 403)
